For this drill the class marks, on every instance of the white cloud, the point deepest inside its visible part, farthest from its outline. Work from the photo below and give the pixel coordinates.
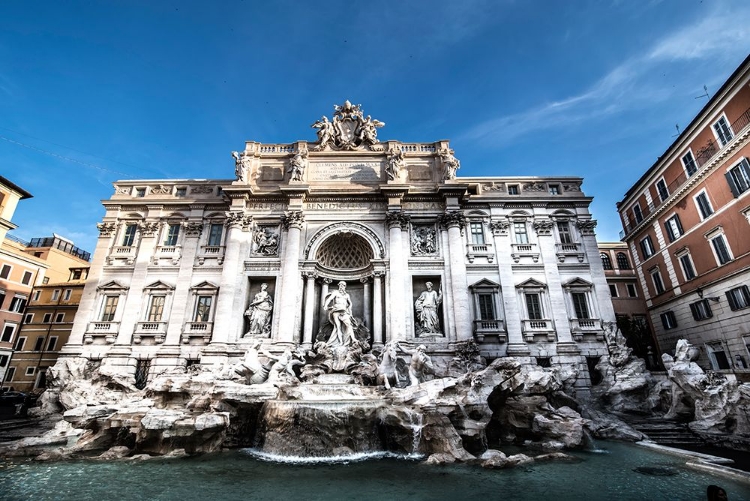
(720, 36)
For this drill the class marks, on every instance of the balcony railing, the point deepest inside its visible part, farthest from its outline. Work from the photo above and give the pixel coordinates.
(194, 330)
(570, 249)
(101, 329)
(157, 330)
(524, 250)
(537, 327)
(581, 326)
(211, 252)
(703, 156)
(474, 250)
(484, 328)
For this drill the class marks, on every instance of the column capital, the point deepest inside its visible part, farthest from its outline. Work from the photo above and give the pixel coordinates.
(543, 226)
(586, 226)
(238, 219)
(148, 228)
(293, 219)
(310, 275)
(193, 228)
(452, 218)
(500, 227)
(365, 280)
(397, 218)
(326, 280)
(106, 229)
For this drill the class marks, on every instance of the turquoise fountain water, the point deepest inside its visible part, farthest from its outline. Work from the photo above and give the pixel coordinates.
(239, 475)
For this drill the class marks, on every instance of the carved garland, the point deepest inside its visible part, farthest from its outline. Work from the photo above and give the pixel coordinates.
(351, 226)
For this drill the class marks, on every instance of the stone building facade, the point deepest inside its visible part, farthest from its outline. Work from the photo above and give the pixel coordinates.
(193, 271)
(686, 224)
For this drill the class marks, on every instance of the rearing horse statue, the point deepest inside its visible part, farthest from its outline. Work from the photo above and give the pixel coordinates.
(387, 373)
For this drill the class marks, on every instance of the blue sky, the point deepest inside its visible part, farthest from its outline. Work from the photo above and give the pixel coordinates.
(91, 92)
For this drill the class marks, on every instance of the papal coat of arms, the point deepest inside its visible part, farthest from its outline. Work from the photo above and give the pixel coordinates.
(349, 130)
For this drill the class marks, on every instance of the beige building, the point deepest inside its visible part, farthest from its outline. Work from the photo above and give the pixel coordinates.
(686, 222)
(193, 271)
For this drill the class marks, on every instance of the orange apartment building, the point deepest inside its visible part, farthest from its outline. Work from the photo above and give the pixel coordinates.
(687, 224)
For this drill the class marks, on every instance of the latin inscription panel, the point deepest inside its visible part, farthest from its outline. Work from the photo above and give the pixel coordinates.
(359, 172)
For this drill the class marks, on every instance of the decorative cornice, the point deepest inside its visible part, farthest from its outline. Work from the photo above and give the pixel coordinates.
(293, 219)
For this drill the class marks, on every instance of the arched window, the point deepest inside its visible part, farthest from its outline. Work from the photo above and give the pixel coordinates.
(606, 261)
(622, 261)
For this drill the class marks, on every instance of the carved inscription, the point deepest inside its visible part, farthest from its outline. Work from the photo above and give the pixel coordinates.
(346, 171)
(345, 205)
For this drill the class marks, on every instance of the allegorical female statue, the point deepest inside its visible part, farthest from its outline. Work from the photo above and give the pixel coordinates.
(259, 313)
(427, 303)
(339, 307)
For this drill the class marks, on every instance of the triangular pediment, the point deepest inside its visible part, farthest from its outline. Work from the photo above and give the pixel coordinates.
(531, 284)
(578, 282)
(485, 283)
(205, 285)
(159, 285)
(112, 285)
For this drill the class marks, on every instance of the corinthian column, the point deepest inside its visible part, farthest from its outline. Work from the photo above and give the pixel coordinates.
(377, 310)
(396, 313)
(228, 316)
(307, 334)
(454, 221)
(290, 290)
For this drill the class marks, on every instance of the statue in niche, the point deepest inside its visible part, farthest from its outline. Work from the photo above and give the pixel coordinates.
(297, 166)
(420, 364)
(259, 313)
(427, 305)
(423, 241)
(266, 242)
(450, 165)
(325, 132)
(395, 163)
(338, 304)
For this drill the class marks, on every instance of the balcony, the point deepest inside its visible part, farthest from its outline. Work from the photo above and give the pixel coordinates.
(519, 251)
(484, 328)
(104, 331)
(168, 252)
(538, 327)
(197, 331)
(122, 252)
(581, 326)
(211, 252)
(155, 330)
(703, 156)
(481, 250)
(569, 250)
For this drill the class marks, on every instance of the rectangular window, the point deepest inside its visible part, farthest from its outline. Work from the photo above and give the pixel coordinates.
(10, 374)
(8, 331)
(156, 309)
(129, 235)
(173, 231)
(30, 371)
(109, 308)
(704, 206)
(687, 267)
(738, 178)
(20, 342)
(647, 247)
(477, 234)
(52, 343)
(563, 228)
(17, 304)
(533, 306)
(723, 131)
(632, 291)
(3, 360)
(26, 280)
(613, 290)
(486, 307)
(76, 275)
(738, 298)
(66, 294)
(203, 309)
(554, 189)
(658, 284)
(55, 294)
(180, 192)
(140, 192)
(5, 271)
(701, 310)
(28, 318)
(36, 295)
(689, 162)
(60, 318)
(717, 356)
(513, 189)
(47, 318)
(668, 320)
(214, 234)
(661, 187)
(721, 249)
(674, 228)
(519, 229)
(39, 343)
(2, 299)
(580, 305)
(637, 213)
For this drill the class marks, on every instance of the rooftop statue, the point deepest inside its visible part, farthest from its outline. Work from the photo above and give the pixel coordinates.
(348, 130)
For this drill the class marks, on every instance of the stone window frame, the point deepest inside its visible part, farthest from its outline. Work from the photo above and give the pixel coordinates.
(662, 196)
(13, 326)
(682, 254)
(656, 272)
(701, 310)
(606, 260)
(486, 287)
(649, 250)
(698, 206)
(211, 219)
(533, 286)
(622, 257)
(581, 286)
(203, 289)
(613, 288)
(689, 152)
(743, 292)
(485, 248)
(112, 288)
(716, 233)
(668, 320)
(634, 288)
(3, 274)
(742, 166)
(670, 230)
(717, 134)
(637, 215)
(713, 347)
